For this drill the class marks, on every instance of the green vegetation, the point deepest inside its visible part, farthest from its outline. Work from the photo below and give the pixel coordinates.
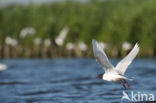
(111, 21)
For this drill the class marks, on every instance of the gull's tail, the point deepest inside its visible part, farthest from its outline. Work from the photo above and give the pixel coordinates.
(123, 77)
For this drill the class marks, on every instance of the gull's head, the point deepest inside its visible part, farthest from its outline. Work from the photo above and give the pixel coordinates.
(100, 76)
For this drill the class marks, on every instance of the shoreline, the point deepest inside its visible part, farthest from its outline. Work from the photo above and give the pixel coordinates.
(8, 52)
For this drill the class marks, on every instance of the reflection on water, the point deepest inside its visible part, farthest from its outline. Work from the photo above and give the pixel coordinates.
(70, 81)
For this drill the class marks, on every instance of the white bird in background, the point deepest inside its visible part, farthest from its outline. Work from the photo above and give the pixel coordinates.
(114, 73)
(62, 36)
(3, 67)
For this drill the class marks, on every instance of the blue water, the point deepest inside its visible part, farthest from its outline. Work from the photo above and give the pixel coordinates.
(70, 81)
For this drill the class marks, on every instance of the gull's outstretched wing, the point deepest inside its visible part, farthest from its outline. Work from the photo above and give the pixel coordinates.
(101, 56)
(124, 63)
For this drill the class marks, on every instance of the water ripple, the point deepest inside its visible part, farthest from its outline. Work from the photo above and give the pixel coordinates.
(69, 81)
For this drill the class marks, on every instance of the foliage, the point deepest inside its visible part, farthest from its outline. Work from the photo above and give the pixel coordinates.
(111, 21)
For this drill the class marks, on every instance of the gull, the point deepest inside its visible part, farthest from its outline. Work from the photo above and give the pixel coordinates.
(113, 74)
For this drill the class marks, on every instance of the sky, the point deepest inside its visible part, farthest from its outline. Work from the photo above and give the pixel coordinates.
(24, 2)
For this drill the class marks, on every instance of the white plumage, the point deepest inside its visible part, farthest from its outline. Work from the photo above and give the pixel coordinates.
(125, 62)
(3, 67)
(113, 73)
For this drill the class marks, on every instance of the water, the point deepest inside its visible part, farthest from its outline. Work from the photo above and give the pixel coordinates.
(70, 81)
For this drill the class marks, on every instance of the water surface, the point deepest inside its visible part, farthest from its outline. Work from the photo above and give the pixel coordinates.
(70, 81)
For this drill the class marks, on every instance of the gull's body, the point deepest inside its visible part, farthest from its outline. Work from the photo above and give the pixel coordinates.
(113, 73)
(112, 76)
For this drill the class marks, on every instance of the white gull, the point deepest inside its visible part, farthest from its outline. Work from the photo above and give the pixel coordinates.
(114, 73)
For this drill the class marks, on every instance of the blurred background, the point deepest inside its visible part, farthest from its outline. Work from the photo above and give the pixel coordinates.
(46, 50)
(65, 28)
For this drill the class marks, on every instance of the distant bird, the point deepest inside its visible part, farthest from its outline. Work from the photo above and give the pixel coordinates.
(11, 41)
(3, 67)
(114, 73)
(27, 31)
(62, 36)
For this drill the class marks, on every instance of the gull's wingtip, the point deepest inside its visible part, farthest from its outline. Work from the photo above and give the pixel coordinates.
(137, 45)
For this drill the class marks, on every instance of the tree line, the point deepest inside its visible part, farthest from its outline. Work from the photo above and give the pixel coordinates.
(110, 21)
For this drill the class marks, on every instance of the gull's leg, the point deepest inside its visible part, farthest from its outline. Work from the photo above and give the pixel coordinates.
(126, 83)
(122, 83)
